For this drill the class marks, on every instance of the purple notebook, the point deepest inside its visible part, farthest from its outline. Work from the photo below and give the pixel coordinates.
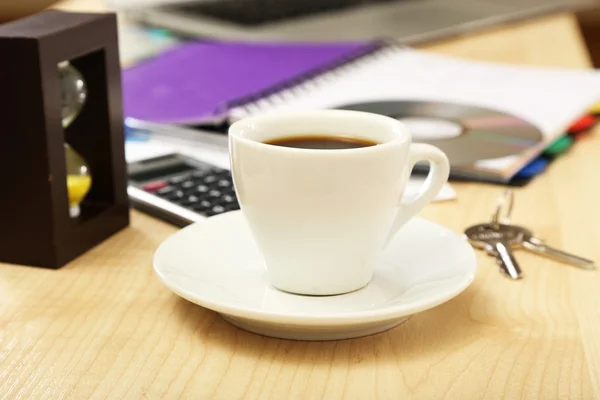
(197, 82)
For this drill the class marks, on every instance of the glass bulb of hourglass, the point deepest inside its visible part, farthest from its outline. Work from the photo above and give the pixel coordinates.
(74, 93)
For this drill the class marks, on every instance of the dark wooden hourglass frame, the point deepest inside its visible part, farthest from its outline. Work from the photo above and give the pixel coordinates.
(36, 228)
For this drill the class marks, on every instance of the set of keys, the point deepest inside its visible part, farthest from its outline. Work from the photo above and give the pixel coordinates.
(499, 237)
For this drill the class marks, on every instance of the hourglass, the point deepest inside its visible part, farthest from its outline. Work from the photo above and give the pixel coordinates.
(62, 142)
(73, 95)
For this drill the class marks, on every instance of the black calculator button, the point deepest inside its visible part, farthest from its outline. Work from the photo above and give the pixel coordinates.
(188, 184)
(202, 189)
(166, 190)
(201, 206)
(218, 209)
(227, 198)
(176, 180)
(209, 179)
(174, 196)
(190, 200)
(214, 194)
(224, 183)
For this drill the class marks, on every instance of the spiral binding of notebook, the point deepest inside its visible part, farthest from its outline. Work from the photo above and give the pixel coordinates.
(311, 80)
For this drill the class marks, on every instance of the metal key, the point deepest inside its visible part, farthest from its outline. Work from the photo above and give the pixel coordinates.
(530, 242)
(498, 242)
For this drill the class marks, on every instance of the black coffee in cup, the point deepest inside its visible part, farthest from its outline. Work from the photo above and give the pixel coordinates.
(321, 142)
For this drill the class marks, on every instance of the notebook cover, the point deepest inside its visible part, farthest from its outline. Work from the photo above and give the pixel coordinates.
(194, 82)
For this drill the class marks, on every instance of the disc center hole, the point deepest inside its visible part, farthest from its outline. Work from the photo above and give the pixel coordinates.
(424, 128)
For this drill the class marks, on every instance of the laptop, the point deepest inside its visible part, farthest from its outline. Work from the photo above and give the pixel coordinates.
(409, 21)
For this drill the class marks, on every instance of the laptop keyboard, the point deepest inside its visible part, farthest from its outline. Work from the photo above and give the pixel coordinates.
(256, 12)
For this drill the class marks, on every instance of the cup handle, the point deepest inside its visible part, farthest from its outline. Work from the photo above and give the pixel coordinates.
(439, 172)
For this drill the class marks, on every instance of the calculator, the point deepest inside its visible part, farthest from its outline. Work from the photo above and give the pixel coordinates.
(179, 189)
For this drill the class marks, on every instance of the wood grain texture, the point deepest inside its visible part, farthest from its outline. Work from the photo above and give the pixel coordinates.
(104, 327)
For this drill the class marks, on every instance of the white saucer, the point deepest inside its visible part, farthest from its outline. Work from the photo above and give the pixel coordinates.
(215, 264)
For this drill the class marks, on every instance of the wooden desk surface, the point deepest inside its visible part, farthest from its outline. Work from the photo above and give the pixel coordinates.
(104, 327)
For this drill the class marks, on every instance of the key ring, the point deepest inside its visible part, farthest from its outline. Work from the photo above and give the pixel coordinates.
(502, 202)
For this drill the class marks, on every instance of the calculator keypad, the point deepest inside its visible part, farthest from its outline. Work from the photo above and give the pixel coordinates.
(208, 192)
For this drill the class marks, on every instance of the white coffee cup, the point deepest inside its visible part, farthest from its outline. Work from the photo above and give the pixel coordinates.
(320, 218)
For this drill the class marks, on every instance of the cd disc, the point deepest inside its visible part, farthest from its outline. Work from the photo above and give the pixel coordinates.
(465, 133)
